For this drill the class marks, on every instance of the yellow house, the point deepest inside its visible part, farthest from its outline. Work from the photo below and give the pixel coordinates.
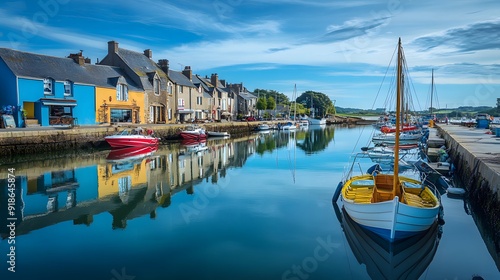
(124, 104)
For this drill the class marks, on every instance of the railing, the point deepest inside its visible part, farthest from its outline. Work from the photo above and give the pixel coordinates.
(63, 120)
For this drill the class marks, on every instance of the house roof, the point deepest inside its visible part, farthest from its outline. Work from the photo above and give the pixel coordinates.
(179, 78)
(247, 95)
(143, 66)
(30, 65)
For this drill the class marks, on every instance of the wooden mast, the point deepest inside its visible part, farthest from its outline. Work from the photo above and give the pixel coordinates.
(398, 117)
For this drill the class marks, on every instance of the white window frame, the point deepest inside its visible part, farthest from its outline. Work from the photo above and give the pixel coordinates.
(121, 92)
(169, 88)
(48, 86)
(68, 88)
(199, 100)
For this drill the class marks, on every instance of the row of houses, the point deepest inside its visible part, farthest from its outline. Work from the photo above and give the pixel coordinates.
(124, 87)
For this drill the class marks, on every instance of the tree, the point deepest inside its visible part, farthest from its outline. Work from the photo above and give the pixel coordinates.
(261, 104)
(271, 103)
(320, 101)
(279, 97)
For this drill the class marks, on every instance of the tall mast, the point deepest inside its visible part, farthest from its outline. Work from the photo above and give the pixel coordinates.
(432, 88)
(398, 115)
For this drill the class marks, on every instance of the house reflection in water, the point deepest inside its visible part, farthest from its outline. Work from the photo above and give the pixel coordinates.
(126, 188)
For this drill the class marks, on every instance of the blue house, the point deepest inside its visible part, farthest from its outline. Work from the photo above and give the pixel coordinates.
(49, 90)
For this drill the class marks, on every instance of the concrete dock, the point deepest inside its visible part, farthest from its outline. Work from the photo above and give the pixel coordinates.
(479, 149)
(476, 156)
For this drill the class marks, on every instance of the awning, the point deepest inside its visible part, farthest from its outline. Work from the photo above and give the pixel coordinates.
(185, 111)
(58, 102)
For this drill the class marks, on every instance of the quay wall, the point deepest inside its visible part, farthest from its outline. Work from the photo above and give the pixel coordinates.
(21, 141)
(476, 156)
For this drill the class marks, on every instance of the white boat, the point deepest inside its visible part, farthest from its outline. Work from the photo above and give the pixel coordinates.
(392, 206)
(263, 127)
(217, 134)
(289, 126)
(313, 121)
(404, 138)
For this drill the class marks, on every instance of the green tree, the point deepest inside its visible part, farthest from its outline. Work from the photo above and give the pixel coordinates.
(319, 101)
(261, 104)
(279, 97)
(271, 103)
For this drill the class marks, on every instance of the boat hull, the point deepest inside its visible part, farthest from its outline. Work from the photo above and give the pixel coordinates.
(317, 121)
(391, 219)
(192, 135)
(120, 141)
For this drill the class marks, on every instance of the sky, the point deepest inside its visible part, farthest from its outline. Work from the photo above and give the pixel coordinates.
(341, 48)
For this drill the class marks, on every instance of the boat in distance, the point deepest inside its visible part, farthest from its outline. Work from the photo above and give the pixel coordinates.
(132, 137)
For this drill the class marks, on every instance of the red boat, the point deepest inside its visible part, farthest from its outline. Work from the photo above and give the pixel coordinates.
(132, 138)
(391, 129)
(193, 133)
(131, 153)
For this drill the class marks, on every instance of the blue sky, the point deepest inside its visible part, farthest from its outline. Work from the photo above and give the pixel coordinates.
(340, 48)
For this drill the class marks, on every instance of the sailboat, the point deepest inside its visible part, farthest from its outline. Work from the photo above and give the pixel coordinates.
(291, 125)
(392, 206)
(312, 119)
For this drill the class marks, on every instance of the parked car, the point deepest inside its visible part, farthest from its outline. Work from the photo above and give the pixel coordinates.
(250, 119)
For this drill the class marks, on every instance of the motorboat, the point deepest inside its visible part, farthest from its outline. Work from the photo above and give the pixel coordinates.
(263, 127)
(132, 137)
(193, 132)
(217, 134)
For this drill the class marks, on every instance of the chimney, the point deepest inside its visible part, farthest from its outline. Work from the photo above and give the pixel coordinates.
(223, 82)
(112, 47)
(87, 60)
(188, 73)
(163, 64)
(214, 79)
(148, 53)
(77, 57)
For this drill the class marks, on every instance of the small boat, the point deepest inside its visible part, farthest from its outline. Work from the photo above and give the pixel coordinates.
(313, 121)
(404, 138)
(130, 153)
(288, 126)
(217, 134)
(392, 206)
(263, 127)
(193, 132)
(132, 138)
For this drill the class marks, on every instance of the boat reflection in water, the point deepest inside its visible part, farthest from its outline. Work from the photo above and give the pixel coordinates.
(127, 183)
(404, 259)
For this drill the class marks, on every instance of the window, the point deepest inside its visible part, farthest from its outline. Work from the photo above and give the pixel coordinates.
(121, 115)
(156, 85)
(68, 88)
(122, 92)
(169, 113)
(199, 100)
(179, 89)
(169, 88)
(48, 86)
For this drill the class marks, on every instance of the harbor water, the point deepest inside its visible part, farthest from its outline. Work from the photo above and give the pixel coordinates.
(258, 207)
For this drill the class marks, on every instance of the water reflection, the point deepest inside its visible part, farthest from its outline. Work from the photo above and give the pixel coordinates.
(405, 259)
(127, 183)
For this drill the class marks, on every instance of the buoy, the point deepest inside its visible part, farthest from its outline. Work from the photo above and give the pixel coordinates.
(456, 191)
(337, 192)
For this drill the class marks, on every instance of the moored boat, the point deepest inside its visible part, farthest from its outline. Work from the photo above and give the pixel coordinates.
(217, 134)
(193, 132)
(392, 206)
(132, 138)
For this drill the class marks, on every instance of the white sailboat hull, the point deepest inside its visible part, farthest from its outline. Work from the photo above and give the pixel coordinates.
(391, 219)
(317, 121)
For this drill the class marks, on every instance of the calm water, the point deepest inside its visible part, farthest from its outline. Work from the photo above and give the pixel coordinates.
(252, 208)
